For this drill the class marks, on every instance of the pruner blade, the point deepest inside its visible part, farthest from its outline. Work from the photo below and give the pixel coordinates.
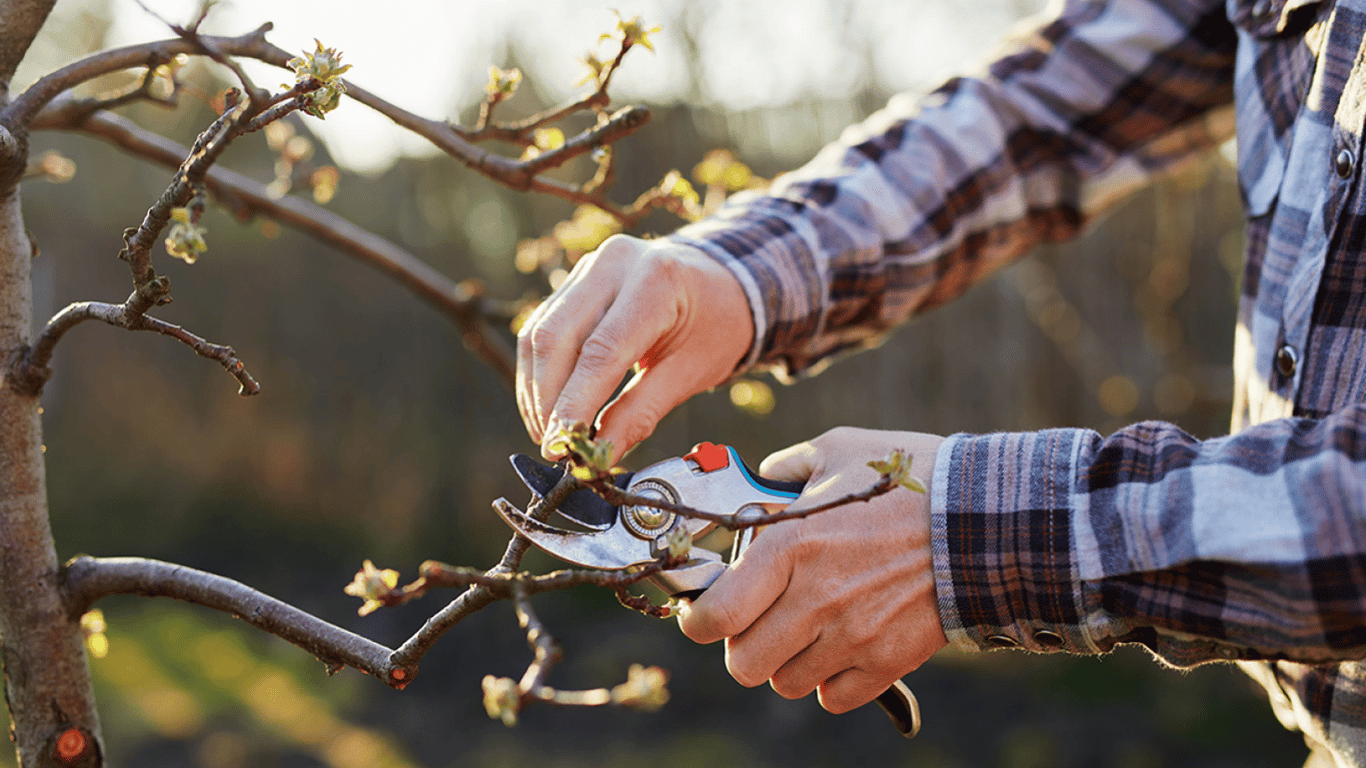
(583, 506)
(616, 549)
(606, 550)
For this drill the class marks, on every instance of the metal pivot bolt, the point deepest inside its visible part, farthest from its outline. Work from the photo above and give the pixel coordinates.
(647, 522)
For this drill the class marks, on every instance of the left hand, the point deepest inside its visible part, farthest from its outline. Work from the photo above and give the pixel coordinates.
(842, 602)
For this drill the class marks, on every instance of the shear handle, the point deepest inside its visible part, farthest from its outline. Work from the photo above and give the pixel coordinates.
(689, 583)
(900, 705)
(793, 487)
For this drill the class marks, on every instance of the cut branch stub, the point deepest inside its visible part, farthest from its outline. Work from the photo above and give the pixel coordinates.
(71, 746)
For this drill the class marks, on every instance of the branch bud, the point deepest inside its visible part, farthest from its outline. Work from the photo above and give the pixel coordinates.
(502, 699)
(372, 585)
(896, 469)
(645, 689)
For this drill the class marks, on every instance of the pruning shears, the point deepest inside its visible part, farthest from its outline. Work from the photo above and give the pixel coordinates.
(712, 478)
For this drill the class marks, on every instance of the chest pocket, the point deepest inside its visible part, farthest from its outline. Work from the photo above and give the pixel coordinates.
(1278, 45)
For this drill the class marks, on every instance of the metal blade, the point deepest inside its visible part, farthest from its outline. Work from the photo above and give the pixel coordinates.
(605, 550)
(583, 507)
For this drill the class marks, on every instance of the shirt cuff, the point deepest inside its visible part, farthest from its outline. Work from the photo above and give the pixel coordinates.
(1004, 553)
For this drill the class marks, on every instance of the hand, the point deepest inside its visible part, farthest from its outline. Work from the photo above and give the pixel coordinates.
(843, 601)
(671, 311)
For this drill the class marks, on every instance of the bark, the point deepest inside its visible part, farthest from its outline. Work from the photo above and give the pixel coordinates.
(47, 681)
(21, 21)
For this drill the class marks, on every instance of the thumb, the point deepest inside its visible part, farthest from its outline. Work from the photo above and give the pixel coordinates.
(795, 463)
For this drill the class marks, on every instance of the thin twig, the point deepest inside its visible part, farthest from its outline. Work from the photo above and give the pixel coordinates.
(545, 649)
(736, 521)
(478, 596)
(437, 575)
(509, 172)
(32, 369)
(29, 370)
(142, 92)
(206, 46)
(520, 131)
(247, 197)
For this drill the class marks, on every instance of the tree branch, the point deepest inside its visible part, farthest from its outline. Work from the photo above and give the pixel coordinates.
(479, 596)
(32, 370)
(87, 579)
(246, 197)
(738, 520)
(520, 175)
(256, 96)
(26, 105)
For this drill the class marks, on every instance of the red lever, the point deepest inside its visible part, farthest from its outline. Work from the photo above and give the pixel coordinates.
(709, 457)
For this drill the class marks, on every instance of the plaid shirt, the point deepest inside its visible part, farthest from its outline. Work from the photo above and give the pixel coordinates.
(1250, 547)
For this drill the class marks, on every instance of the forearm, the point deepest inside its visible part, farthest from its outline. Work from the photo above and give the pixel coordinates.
(929, 196)
(1251, 546)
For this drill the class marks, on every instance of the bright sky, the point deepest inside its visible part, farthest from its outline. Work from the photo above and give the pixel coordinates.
(432, 56)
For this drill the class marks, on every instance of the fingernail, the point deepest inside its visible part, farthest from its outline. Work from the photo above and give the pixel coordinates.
(556, 446)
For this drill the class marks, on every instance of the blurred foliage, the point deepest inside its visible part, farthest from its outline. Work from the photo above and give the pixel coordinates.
(377, 436)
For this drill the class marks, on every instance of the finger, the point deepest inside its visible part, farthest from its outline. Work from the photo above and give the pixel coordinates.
(548, 350)
(851, 689)
(795, 463)
(549, 340)
(784, 634)
(743, 592)
(806, 669)
(633, 415)
(634, 323)
(751, 665)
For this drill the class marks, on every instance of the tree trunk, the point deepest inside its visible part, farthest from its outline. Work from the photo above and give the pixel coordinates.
(47, 680)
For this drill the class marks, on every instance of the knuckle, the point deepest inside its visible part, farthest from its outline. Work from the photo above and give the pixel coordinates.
(800, 542)
(542, 338)
(613, 252)
(617, 244)
(836, 435)
(723, 621)
(599, 351)
(636, 432)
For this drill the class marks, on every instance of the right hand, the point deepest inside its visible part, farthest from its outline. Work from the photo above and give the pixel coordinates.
(673, 312)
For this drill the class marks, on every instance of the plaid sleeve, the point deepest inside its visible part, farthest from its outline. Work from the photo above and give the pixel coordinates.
(930, 195)
(1251, 546)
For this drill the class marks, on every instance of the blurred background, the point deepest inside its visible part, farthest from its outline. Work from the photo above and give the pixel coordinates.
(378, 436)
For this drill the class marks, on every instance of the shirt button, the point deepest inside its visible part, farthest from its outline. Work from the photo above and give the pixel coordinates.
(1285, 361)
(1344, 163)
(1002, 641)
(1048, 638)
